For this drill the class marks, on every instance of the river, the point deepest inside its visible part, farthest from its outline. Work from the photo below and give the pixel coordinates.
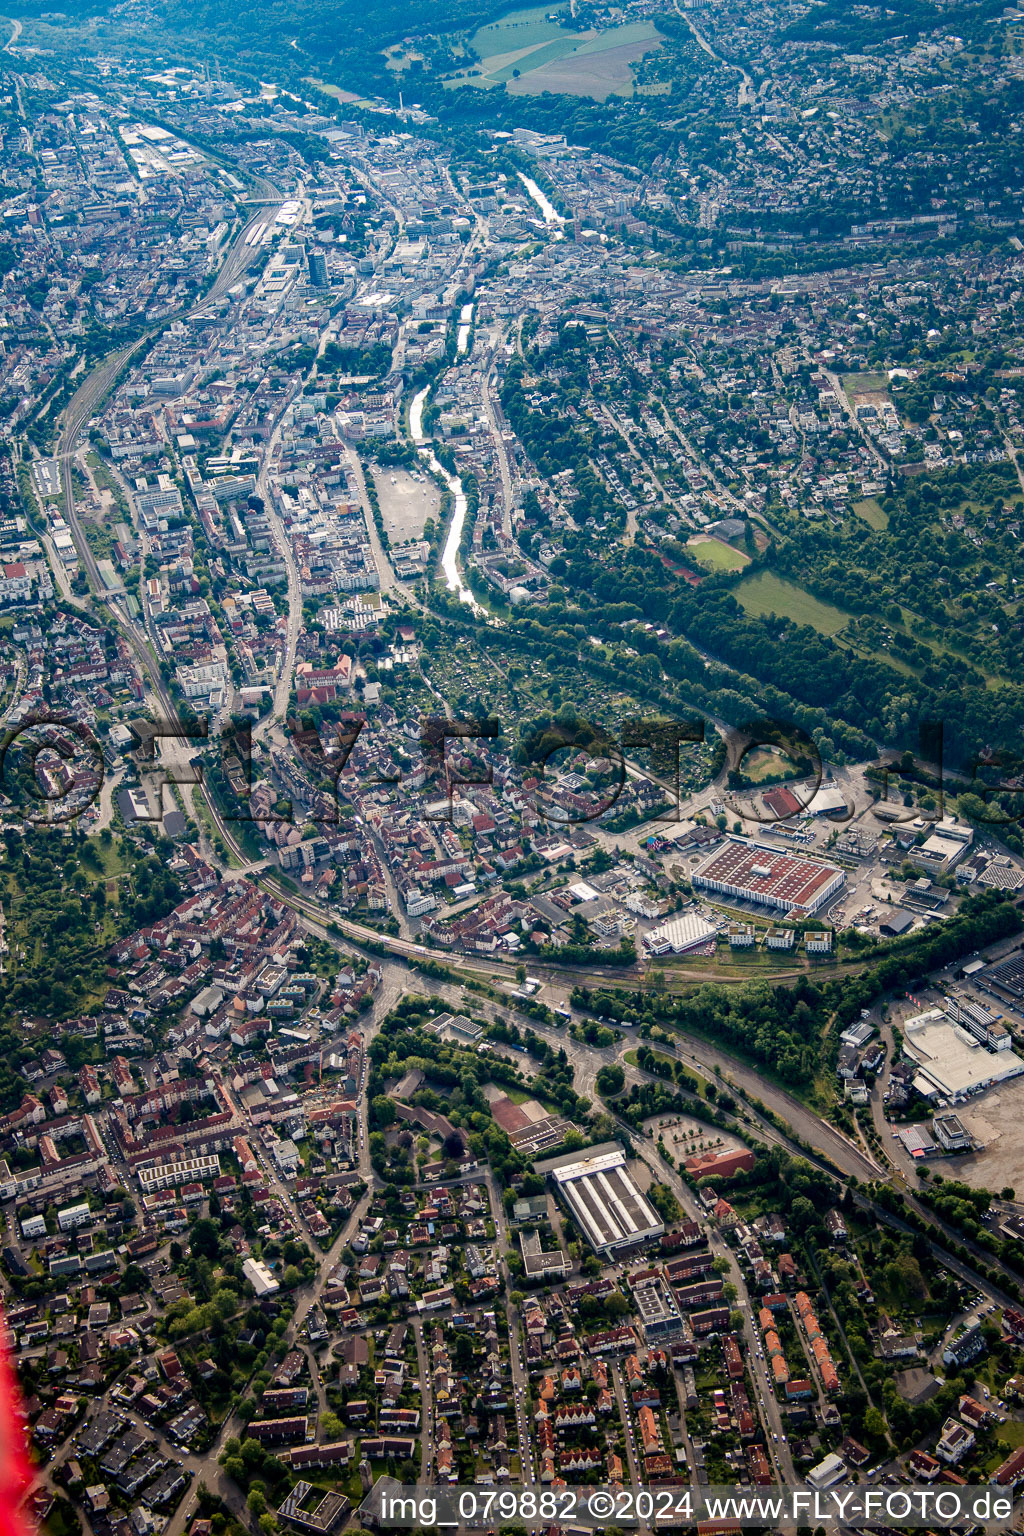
(551, 214)
(450, 553)
(465, 326)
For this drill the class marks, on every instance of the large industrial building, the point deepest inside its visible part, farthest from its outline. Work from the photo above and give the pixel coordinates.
(1005, 978)
(952, 1064)
(680, 934)
(612, 1213)
(749, 871)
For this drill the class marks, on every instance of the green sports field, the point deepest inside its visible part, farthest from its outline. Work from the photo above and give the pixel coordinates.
(768, 593)
(717, 555)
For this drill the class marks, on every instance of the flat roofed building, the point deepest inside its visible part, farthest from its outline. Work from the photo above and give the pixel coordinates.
(659, 1316)
(312, 1509)
(691, 931)
(981, 1021)
(754, 872)
(946, 845)
(259, 1277)
(828, 1472)
(1007, 976)
(952, 1065)
(951, 1134)
(73, 1216)
(538, 1263)
(287, 1157)
(598, 1189)
(186, 1171)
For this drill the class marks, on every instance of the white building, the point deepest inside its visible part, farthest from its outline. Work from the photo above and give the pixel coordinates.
(680, 934)
(204, 680)
(951, 1134)
(946, 846)
(953, 1065)
(611, 1210)
(827, 1473)
(188, 1170)
(954, 1442)
(73, 1216)
(260, 1278)
(287, 1157)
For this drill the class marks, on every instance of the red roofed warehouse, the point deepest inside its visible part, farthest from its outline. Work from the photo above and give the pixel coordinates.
(752, 872)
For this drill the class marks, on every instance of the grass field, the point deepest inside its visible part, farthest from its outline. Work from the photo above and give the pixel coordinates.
(865, 384)
(346, 97)
(526, 60)
(201, 810)
(660, 1058)
(519, 29)
(598, 69)
(889, 658)
(768, 593)
(873, 513)
(717, 555)
(766, 763)
(529, 53)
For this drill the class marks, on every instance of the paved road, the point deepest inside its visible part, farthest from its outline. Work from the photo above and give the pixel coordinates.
(496, 423)
(423, 1366)
(817, 1133)
(389, 582)
(765, 1404)
(747, 95)
(282, 688)
(20, 676)
(520, 1380)
(305, 1297)
(636, 1478)
(92, 391)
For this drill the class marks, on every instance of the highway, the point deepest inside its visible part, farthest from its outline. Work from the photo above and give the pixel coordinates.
(728, 1071)
(87, 398)
(282, 687)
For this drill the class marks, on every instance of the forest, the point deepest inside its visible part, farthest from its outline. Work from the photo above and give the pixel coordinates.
(454, 1078)
(66, 899)
(784, 1027)
(933, 568)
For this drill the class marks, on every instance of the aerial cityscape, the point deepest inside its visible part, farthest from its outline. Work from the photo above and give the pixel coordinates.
(511, 865)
